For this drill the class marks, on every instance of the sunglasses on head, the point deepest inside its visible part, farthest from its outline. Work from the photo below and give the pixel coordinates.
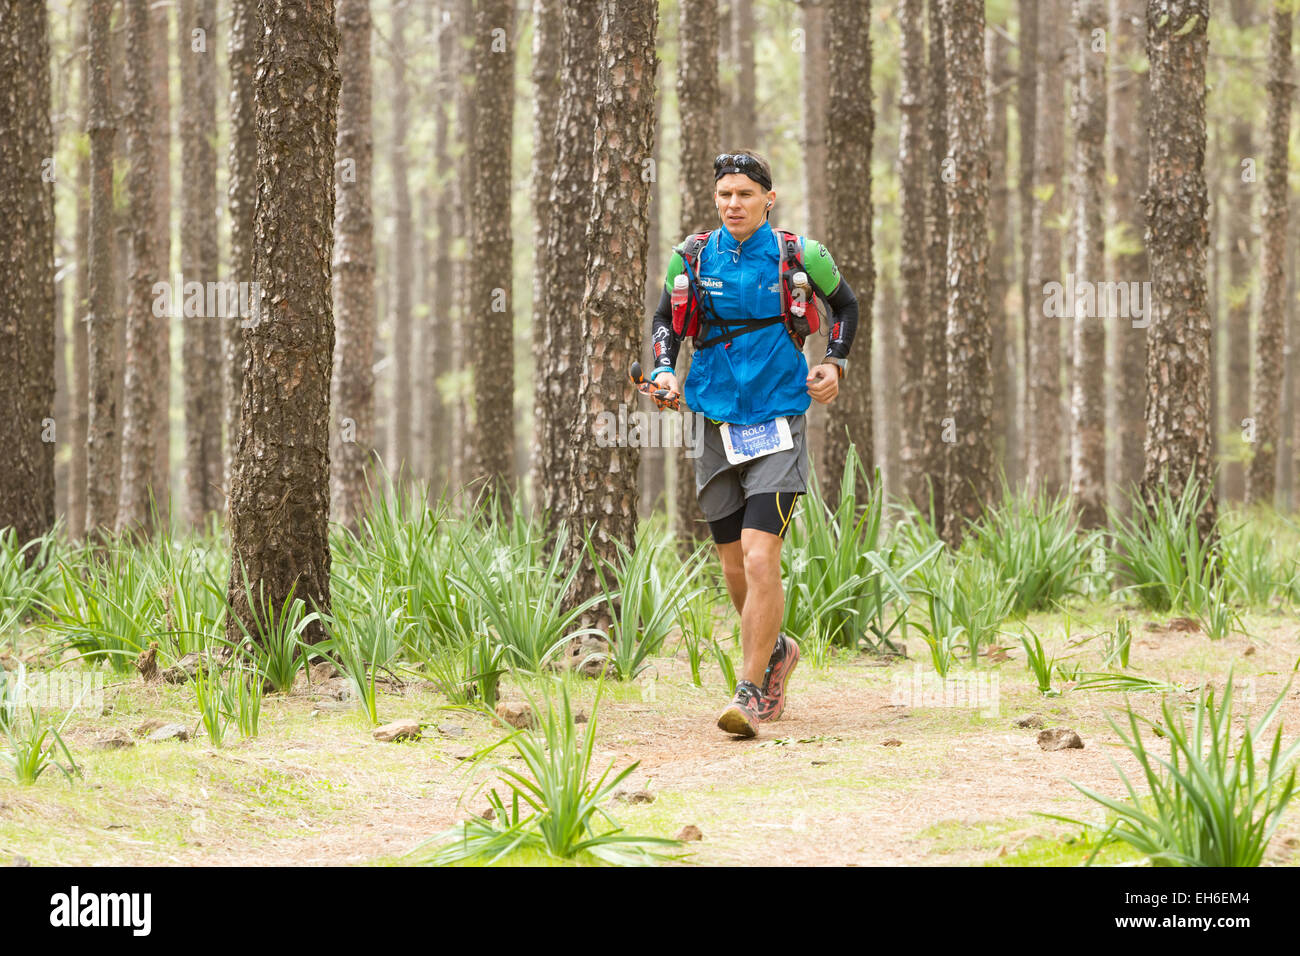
(726, 163)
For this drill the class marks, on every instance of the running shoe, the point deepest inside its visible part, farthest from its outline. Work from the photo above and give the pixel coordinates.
(741, 716)
(785, 657)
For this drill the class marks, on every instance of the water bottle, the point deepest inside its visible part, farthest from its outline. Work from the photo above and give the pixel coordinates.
(802, 293)
(679, 295)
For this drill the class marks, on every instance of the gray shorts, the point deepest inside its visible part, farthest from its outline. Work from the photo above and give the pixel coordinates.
(723, 487)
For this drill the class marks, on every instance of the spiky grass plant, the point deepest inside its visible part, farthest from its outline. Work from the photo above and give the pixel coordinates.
(965, 602)
(365, 641)
(274, 642)
(1034, 545)
(1211, 803)
(32, 738)
(1040, 663)
(1162, 554)
(28, 575)
(552, 804)
(1119, 643)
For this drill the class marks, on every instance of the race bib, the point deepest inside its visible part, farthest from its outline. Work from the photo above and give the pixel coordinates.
(744, 443)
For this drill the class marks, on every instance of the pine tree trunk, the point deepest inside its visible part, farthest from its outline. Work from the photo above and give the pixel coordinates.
(1088, 403)
(848, 227)
(352, 389)
(27, 313)
(279, 500)
(726, 61)
(204, 468)
(102, 441)
(935, 407)
(443, 292)
(1000, 80)
(603, 495)
(241, 195)
(745, 89)
(816, 83)
(1043, 420)
(161, 344)
(913, 165)
(654, 463)
(969, 481)
(1271, 343)
(698, 102)
(139, 412)
(466, 174)
(491, 296)
(1027, 121)
(81, 304)
(1127, 343)
(400, 458)
(1178, 359)
(548, 86)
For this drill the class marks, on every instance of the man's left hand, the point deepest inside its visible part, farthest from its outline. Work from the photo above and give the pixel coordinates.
(824, 383)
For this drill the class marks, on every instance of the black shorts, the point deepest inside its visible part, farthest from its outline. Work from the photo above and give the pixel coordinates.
(768, 511)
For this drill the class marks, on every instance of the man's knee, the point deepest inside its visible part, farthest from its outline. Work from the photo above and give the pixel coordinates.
(762, 557)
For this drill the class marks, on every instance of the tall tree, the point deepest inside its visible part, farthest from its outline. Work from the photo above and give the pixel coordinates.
(848, 226)
(744, 91)
(1000, 80)
(352, 389)
(442, 289)
(935, 407)
(548, 53)
(462, 12)
(913, 301)
(1088, 402)
(969, 481)
(80, 385)
(653, 477)
(1127, 144)
(1177, 238)
(241, 194)
(204, 468)
(279, 497)
(1027, 125)
(816, 84)
(570, 200)
(1043, 360)
(400, 451)
(491, 296)
(602, 496)
(102, 440)
(27, 313)
(139, 412)
(1238, 219)
(1271, 345)
(698, 103)
(159, 63)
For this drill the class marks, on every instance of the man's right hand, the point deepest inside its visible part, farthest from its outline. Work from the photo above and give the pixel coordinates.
(668, 381)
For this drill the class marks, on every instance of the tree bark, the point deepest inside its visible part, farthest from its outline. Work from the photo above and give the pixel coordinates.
(279, 505)
(1000, 79)
(698, 101)
(27, 313)
(241, 194)
(1177, 238)
(352, 388)
(1127, 117)
(745, 89)
(161, 344)
(102, 440)
(969, 481)
(139, 411)
(914, 299)
(491, 295)
(443, 291)
(1271, 344)
(400, 454)
(80, 386)
(466, 174)
(1088, 403)
(935, 406)
(548, 87)
(654, 463)
(1027, 122)
(1043, 369)
(848, 227)
(816, 83)
(204, 468)
(602, 496)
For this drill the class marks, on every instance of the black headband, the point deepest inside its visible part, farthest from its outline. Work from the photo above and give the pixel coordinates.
(741, 163)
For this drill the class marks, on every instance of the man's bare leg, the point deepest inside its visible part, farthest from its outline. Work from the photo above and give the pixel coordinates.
(732, 556)
(764, 602)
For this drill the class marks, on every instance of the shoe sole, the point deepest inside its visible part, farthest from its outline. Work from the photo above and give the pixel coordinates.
(785, 682)
(736, 722)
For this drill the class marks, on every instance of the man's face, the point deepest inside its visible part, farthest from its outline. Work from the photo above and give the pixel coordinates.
(741, 204)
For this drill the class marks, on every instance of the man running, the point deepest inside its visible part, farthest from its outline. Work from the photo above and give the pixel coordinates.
(749, 380)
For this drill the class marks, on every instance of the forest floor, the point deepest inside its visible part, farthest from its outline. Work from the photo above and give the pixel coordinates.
(860, 771)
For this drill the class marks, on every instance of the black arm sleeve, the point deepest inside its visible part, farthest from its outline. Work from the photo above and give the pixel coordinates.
(843, 319)
(664, 343)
